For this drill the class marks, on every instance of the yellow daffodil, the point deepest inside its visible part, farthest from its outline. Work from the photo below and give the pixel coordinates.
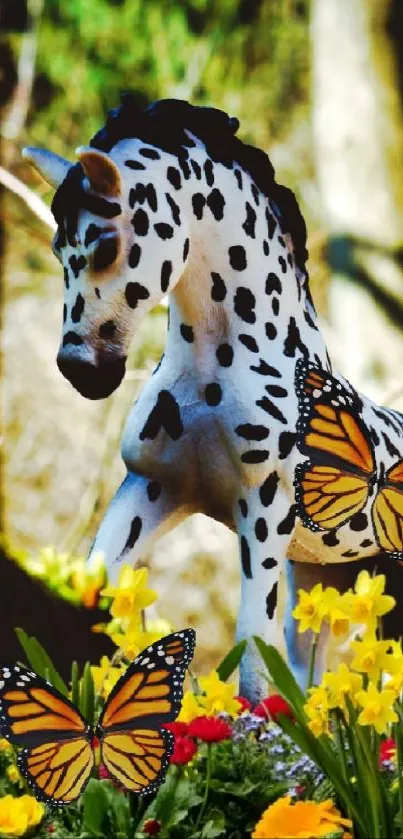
(344, 683)
(131, 594)
(377, 708)
(190, 708)
(17, 815)
(219, 696)
(105, 676)
(370, 655)
(87, 582)
(5, 746)
(368, 603)
(14, 774)
(339, 622)
(313, 607)
(299, 820)
(317, 710)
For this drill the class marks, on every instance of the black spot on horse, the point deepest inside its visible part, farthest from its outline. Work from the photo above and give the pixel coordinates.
(271, 331)
(286, 442)
(225, 355)
(77, 264)
(268, 489)
(288, 524)
(64, 313)
(266, 247)
(175, 210)
(271, 223)
(166, 415)
(311, 323)
(255, 193)
(243, 507)
(293, 341)
(135, 530)
(277, 391)
(213, 394)
(269, 563)
(107, 329)
(216, 203)
(350, 554)
(140, 223)
(219, 289)
(265, 369)
(249, 342)
(330, 539)
(66, 277)
(366, 543)
(244, 304)
(164, 231)
(261, 529)
(105, 253)
(92, 233)
(273, 283)
(391, 448)
(187, 333)
(134, 164)
(359, 522)
(245, 558)
(374, 436)
(186, 250)
(196, 168)
(97, 292)
(174, 177)
(238, 175)
(184, 166)
(72, 338)
(271, 602)
(78, 308)
(198, 204)
(271, 409)
(283, 264)
(150, 153)
(237, 257)
(134, 255)
(209, 172)
(255, 456)
(153, 490)
(275, 305)
(252, 432)
(151, 196)
(135, 292)
(250, 221)
(166, 271)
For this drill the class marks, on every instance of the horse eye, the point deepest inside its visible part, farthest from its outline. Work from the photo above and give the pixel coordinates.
(105, 253)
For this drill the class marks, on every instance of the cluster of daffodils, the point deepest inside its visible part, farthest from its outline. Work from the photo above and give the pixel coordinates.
(67, 575)
(128, 627)
(373, 681)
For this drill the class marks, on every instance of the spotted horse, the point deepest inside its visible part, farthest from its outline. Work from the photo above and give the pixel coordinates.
(243, 419)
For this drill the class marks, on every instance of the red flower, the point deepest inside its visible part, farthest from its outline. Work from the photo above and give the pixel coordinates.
(103, 773)
(245, 704)
(184, 750)
(387, 750)
(272, 707)
(151, 827)
(179, 729)
(210, 729)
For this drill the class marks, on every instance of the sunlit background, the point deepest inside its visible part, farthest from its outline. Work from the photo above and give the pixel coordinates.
(316, 84)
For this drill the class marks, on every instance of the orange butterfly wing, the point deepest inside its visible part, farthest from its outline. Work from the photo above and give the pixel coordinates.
(134, 749)
(335, 483)
(387, 512)
(59, 759)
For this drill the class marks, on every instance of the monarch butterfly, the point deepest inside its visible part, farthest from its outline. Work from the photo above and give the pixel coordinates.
(58, 757)
(341, 473)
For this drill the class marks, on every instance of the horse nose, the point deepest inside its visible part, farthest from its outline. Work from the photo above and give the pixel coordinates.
(94, 381)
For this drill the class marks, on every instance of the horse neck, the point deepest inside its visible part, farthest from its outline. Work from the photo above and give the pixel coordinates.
(240, 280)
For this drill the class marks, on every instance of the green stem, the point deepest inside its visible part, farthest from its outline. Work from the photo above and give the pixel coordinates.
(311, 672)
(207, 786)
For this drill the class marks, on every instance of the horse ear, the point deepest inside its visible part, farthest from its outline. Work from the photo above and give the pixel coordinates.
(52, 167)
(102, 173)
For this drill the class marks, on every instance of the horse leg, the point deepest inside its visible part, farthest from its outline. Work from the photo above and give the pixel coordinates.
(141, 511)
(263, 548)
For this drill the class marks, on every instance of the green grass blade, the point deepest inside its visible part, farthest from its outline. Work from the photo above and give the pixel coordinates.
(231, 661)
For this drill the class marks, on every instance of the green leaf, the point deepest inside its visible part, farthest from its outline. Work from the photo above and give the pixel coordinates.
(87, 695)
(282, 676)
(231, 661)
(75, 684)
(215, 826)
(40, 660)
(95, 807)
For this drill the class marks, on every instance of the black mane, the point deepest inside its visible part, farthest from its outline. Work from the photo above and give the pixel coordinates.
(164, 124)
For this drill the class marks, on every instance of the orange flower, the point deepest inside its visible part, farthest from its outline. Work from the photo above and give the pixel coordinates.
(302, 820)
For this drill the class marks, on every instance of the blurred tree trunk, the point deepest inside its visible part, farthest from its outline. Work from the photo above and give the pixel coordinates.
(358, 136)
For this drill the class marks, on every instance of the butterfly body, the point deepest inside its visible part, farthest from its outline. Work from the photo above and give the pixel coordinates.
(348, 476)
(60, 745)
